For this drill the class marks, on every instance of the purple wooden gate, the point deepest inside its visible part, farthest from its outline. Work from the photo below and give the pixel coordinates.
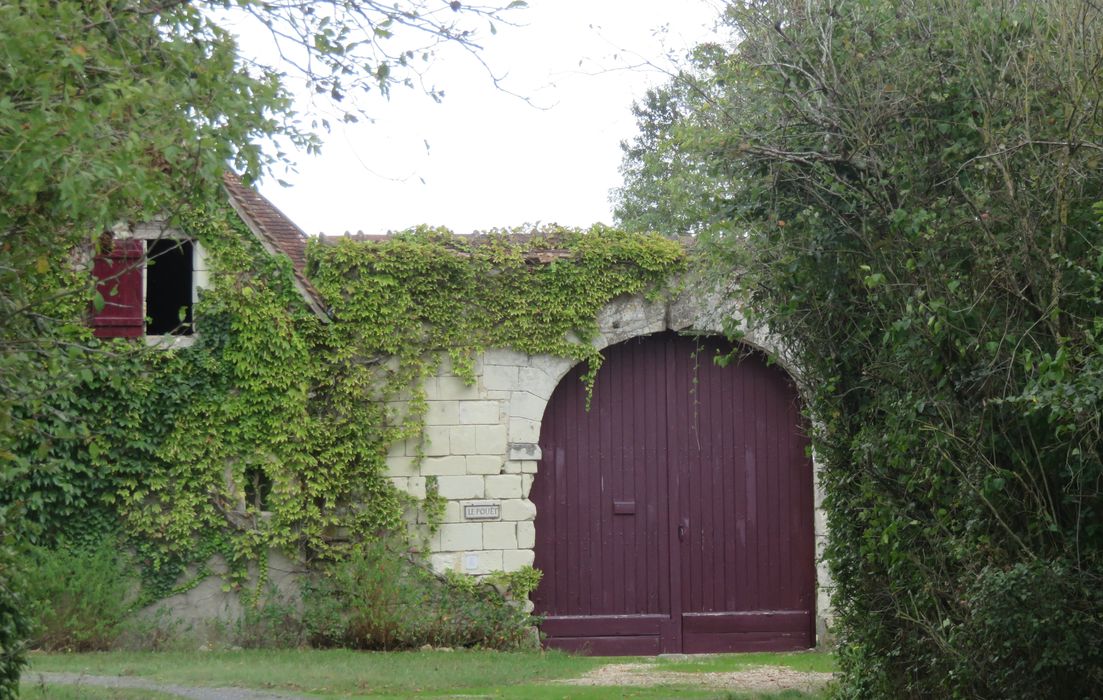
(676, 514)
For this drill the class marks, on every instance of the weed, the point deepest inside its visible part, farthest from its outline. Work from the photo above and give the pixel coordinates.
(80, 596)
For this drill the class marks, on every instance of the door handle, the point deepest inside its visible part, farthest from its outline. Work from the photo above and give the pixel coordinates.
(683, 529)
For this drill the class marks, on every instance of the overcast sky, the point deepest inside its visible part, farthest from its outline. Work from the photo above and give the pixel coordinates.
(483, 158)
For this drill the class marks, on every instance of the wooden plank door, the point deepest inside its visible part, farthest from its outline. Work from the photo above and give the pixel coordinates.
(603, 503)
(675, 514)
(745, 506)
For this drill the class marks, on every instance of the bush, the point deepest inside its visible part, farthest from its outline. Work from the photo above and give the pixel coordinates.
(80, 596)
(1032, 624)
(274, 622)
(908, 196)
(154, 630)
(15, 624)
(379, 599)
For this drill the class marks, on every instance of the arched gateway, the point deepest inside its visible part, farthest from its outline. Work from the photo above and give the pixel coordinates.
(676, 514)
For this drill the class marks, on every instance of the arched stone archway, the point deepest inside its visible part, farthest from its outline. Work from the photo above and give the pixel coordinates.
(482, 448)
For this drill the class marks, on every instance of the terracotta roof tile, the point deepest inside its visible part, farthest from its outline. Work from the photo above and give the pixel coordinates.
(276, 232)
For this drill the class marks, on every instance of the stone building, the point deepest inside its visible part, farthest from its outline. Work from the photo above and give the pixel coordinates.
(680, 512)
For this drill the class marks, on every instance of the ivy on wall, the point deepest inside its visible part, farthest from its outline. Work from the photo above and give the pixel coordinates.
(269, 394)
(426, 291)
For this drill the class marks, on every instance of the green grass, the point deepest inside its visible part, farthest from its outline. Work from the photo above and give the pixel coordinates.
(49, 691)
(469, 674)
(328, 671)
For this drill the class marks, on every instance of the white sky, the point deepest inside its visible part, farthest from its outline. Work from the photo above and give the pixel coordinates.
(493, 160)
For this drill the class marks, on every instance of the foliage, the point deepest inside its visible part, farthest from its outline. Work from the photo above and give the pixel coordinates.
(15, 620)
(676, 178)
(426, 291)
(357, 46)
(121, 112)
(129, 465)
(92, 132)
(80, 597)
(267, 388)
(517, 585)
(1035, 621)
(908, 201)
(272, 622)
(434, 504)
(377, 598)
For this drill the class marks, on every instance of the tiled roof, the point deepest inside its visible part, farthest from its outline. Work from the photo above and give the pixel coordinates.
(277, 233)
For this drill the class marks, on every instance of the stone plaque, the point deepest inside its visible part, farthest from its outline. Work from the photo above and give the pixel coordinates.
(483, 510)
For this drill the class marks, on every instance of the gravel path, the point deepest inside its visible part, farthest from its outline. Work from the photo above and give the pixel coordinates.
(763, 678)
(184, 691)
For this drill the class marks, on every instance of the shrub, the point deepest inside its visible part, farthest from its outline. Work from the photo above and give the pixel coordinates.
(1032, 624)
(15, 624)
(378, 598)
(154, 630)
(517, 585)
(273, 622)
(907, 194)
(80, 596)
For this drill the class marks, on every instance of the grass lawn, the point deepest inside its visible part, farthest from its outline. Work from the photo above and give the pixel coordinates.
(35, 691)
(341, 673)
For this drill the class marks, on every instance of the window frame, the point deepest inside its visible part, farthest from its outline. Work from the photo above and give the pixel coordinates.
(200, 279)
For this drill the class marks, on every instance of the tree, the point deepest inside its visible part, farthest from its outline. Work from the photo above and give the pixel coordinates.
(912, 203)
(119, 111)
(673, 175)
(124, 110)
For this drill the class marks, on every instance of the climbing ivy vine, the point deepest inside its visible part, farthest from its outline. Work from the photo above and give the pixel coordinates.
(268, 391)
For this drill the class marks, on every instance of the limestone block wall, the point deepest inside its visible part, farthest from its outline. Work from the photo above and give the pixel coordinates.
(480, 444)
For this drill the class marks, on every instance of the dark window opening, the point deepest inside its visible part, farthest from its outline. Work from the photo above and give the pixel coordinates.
(169, 287)
(257, 487)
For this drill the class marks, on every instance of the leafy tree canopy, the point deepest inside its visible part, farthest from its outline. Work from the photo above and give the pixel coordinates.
(676, 178)
(122, 111)
(908, 193)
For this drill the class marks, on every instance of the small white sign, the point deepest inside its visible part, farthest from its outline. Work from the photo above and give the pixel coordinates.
(482, 511)
(471, 562)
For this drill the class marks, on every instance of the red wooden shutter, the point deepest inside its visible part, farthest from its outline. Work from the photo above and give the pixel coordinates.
(119, 275)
